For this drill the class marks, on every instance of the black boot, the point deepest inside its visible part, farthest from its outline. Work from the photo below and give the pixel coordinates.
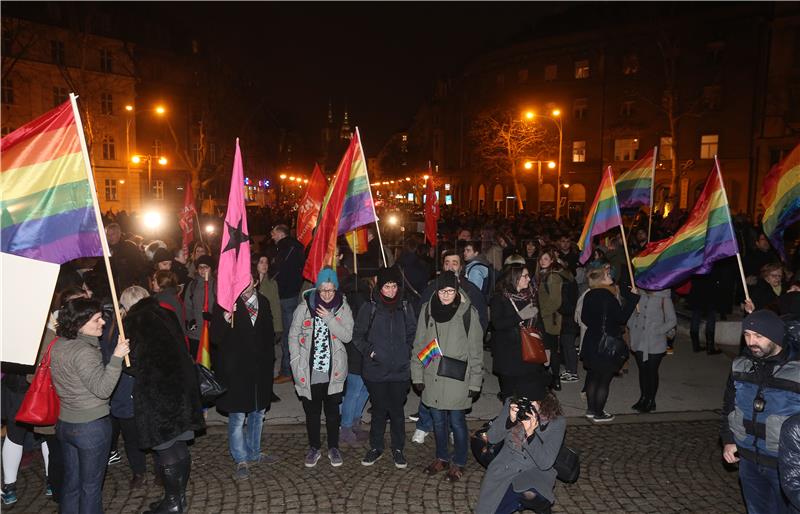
(171, 503)
(185, 468)
(649, 405)
(696, 343)
(638, 404)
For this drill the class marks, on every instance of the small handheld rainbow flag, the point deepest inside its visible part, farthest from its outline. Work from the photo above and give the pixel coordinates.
(430, 352)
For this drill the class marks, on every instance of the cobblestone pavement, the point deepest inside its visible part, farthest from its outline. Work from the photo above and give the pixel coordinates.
(643, 467)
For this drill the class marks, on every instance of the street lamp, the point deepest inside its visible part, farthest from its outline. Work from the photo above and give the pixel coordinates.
(137, 159)
(557, 120)
(528, 166)
(159, 110)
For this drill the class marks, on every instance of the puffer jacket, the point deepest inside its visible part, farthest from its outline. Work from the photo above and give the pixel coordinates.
(301, 345)
(442, 392)
(384, 337)
(650, 323)
(789, 459)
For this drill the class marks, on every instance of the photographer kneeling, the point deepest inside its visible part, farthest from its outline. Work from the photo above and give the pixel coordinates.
(522, 475)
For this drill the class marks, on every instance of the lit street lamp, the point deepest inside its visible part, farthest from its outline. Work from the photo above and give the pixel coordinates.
(159, 110)
(137, 159)
(529, 165)
(556, 118)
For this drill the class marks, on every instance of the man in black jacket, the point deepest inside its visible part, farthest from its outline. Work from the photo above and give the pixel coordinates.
(287, 271)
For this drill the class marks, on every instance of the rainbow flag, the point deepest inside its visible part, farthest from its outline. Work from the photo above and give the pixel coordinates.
(429, 353)
(781, 199)
(706, 237)
(47, 205)
(358, 209)
(635, 186)
(603, 215)
(357, 240)
(204, 348)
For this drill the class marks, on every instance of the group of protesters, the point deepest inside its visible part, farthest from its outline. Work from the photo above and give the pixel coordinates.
(371, 331)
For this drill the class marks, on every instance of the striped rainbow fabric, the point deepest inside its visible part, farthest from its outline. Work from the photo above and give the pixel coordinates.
(706, 237)
(603, 215)
(357, 210)
(781, 198)
(635, 186)
(45, 197)
(430, 352)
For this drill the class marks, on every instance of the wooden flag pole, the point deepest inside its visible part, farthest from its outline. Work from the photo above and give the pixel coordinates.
(624, 239)
(98, 217)
(733, 234)
(355, 254)
(199, 227)
(372, 201)
(652, 200)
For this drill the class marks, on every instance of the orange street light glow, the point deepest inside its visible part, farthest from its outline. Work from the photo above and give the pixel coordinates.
(162, 161)
(136, 159)
(528, 165)
(426, 177)
(551, 165)
(530, 115)
(556, 112)
(160, 109)
(129, 108)
(283, 176)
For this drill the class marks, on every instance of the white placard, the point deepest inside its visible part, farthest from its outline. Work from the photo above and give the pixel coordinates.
(27, 290)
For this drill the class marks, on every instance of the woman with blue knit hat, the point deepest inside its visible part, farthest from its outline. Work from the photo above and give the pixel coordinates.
(321, 325)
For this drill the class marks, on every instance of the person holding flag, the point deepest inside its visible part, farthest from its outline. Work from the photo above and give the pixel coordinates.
(201, 296)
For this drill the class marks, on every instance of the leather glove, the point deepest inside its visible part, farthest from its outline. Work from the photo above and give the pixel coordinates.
(418, 388)
(474, 395)
(206, 315)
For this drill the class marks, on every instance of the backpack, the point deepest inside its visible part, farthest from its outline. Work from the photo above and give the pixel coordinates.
(489, 282)
(467, 318)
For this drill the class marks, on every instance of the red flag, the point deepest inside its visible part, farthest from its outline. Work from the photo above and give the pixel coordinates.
(204, 348)
(323, 246)
(187, 217)
(234, 259)
(431, 212)
(308, 213)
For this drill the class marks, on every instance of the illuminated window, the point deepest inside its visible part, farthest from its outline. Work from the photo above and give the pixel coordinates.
(551, 72)
(665, 148)
(579, 151)
(106, 103)
(158, 189)
(109, 149)
(625, 149)
(709, 145)
(111, 189)
(60, 95)
(580, 108)
(582, 69)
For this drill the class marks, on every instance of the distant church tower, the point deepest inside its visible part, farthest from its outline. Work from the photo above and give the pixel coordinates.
(345, 133)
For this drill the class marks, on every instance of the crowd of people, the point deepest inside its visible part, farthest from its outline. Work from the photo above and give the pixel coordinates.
(365, 332)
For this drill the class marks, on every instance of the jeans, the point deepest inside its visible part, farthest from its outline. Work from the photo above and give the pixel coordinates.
(355, 398)
(288, 305)
(761, 488)
(710, 315)
(84, 448)
(457, 421)
(648, 374)
(245, 442)
(313, 410)
(597, 385)
(569, 352)
(388, 399)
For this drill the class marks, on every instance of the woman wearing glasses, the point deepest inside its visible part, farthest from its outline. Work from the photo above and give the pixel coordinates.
(447, 369)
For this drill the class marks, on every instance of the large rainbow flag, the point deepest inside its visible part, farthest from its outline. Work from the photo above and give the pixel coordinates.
(781, 198)
(706, 237)
(635, 186)
(46, 199)
(603, 215)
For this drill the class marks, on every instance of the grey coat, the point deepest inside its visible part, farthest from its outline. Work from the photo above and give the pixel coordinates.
(194, 302)
(651, 322)
(524, 468)
(441, 392)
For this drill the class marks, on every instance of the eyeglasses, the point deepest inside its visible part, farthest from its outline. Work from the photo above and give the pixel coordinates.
(525, 275)
(447, 292)
(327, 291)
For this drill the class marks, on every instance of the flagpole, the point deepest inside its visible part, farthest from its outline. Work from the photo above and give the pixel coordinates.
(199, 227)
(355, 253)
(100, 228)
(622, 231)
(730, 226)
(372, 201)
(652, 200)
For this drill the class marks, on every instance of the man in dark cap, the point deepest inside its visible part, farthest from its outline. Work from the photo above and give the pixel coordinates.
(763, 390)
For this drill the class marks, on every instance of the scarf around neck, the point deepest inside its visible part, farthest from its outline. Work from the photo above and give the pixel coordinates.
(444, 313)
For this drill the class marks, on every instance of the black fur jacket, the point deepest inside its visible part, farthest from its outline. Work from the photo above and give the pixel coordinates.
(166, 395)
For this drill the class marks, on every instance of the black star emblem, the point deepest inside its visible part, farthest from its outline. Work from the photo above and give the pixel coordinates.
(235, 237)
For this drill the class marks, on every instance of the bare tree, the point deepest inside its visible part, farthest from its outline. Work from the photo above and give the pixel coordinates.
(502, 141)
(18, 39)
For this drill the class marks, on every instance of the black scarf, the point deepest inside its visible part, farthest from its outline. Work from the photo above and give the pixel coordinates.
(389, 303)
(332, 306)
(444, 313)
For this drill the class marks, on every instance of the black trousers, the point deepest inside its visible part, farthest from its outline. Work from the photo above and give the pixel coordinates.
(597, 386)
(551, 343)
(313, 410)
(387, 399)
(55, 465)
(648, 374)
(136, 457)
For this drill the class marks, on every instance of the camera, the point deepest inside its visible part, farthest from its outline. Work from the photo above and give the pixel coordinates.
(526, 408)
(759, 403)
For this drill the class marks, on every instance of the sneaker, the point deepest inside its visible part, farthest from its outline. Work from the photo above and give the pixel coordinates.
(9, 495)
(603, 418)
(452, 441)
(312, 457)
(267, 459)
(48, 491)
(347, 436)
(589, 415)
(670, 350)
(400, 461)
(241, 472)
(564, 375)
(114, 457)
(414, 417)
(371, 457)
(570, 377)
(419, 436)
(335, 456)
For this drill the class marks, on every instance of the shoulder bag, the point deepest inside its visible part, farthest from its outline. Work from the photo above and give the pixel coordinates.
(210, 388)
(612, 347)
(41, 404)
(531, 341)
(450, 367)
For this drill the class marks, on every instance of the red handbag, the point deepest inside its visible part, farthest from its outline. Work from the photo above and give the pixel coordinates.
(41, 404)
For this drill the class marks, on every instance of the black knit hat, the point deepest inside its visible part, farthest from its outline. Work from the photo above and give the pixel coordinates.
(446, 279)
(386, 275)
(766, 323)
(161, 255)
(207, 260)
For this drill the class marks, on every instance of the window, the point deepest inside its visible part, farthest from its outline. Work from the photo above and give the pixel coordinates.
(196, 153)
(627, 108)
(158, 189)
(158, 147)
(8, 43)
(580, 107)
(500, 80)
(6, 131)
(582, 69)
(60, 95)
(625, 149)
(8, 91)
(630, 64)
(212, 153)
(111, 190)
(709, 144)
(106, 103)
(551, 72)
(579, 151)
(106, 61)
(57, 54)
(522, 76)
(665, 148)
(109, 149)
(711, 97)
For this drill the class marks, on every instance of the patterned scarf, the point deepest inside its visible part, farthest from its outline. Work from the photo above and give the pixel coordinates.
(322, 346)
(252, 306)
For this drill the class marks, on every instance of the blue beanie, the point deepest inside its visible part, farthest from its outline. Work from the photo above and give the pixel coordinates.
(327, 275)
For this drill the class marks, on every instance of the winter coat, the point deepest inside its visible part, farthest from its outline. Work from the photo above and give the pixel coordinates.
(527, 467)
(651, 321)
(170, 297)
(358, 292)
(602, 313)
(243, 356)
(166, 395)
(763, 295)
(122, 399)
(714, 291)
(789, 459)
(442, 392)
(384, 337)
(194, 301)
(301, 345)
(287, 268)
(506, 341)
(269, 289)
(549, 291)
(416, 272)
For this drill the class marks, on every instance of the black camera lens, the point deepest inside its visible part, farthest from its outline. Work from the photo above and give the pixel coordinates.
(759, 403)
